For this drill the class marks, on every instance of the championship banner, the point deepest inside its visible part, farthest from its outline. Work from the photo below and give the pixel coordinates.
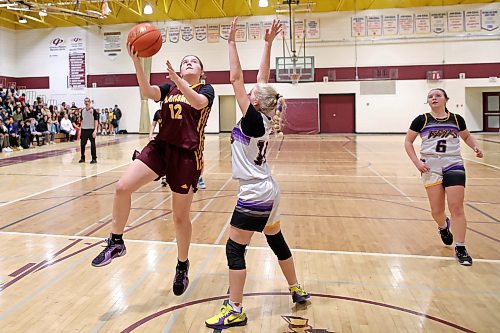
(241, 32)
(213, 33)
(473, 20)
(374, 25)
(173, 34)
(312, 29)
(187, 33)
(200, 32)
(286, 28)
(358, 27)
(300, 26)
(268, 25)
(489, 20)
(254, 31)
(390, 25)
(163, 32)
(422, 23)
(224, 31)
(455, 21)
(406, 26)
(439, 22)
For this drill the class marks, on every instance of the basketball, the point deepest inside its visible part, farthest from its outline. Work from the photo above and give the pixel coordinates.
(145, 39)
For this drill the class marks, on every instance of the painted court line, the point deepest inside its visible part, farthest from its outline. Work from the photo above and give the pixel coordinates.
(115, 309)
(485, 164)
(380, 176)
(393, 255)
(62, 185)
(42, 288)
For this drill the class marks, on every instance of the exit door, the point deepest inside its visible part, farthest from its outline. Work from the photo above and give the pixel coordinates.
(336, 113)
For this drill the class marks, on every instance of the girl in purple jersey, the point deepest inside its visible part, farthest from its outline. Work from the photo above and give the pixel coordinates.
(257, 208)
(441, 165)
(176, 152)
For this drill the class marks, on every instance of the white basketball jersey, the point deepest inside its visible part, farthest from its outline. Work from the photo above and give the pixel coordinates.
(440, 136)
(249, 154)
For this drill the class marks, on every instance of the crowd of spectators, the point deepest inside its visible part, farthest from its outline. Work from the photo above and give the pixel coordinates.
(25, 125)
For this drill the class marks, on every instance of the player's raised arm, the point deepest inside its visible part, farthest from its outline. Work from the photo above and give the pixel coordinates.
(235, 71)
(264, 69)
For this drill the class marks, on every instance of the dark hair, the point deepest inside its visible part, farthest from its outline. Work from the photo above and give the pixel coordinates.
(442, 90)
(191, 55)
(445, 96)
(199, 60)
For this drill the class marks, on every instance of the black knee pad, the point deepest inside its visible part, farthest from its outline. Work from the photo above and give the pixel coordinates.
(235, 254)
(279, 246)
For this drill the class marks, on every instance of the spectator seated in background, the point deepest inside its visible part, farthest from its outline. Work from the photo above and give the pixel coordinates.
(24, 133)
(14, 137)
(67, 128)
(4, 138)
(34, 132)
(43, 127)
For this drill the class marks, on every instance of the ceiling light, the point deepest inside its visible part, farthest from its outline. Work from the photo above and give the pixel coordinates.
(42, 13)
(23, 20)
(263, 3)
(148, 10)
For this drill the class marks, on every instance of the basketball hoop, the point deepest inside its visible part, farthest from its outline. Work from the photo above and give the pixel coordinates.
(295, 77)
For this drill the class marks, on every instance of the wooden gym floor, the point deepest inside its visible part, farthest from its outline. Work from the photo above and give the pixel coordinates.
(353, 209)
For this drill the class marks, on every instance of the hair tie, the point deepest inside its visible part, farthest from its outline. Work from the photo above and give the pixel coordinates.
(278, 96)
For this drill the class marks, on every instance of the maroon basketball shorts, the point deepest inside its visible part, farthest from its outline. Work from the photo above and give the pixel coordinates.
(177, 164)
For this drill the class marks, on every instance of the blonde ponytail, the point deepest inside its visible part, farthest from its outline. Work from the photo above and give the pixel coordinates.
(271, 104)
(278, 115)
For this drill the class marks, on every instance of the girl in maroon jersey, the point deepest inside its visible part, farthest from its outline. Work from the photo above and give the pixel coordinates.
(176, 152)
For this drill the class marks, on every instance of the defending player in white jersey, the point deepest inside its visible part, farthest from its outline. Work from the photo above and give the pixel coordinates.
(442, 167)
(258, 197)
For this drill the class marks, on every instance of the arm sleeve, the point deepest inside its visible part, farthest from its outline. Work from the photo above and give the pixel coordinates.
(461, 123)
(96, 115)
(156, 117)
(252, 124)
(208, 91)
(418, 123)
(164, 89)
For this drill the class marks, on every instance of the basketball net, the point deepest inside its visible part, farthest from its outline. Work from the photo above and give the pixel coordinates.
(295, 77)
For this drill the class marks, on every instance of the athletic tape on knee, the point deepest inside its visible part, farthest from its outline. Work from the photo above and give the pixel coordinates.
(235, 254)
(279, 246)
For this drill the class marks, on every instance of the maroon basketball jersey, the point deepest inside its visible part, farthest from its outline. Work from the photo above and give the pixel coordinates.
(182, 125)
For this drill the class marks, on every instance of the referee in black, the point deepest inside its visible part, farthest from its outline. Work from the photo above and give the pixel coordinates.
(90, 121)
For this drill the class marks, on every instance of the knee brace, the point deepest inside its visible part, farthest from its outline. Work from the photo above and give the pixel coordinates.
(279, 246)
(235, 254)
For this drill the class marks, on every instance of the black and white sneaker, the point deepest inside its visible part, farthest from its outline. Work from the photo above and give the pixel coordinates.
(462, 256)
(446, 235)
(181, 280)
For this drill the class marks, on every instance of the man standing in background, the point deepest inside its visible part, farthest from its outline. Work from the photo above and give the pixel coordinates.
(90, 121)
(118, 116)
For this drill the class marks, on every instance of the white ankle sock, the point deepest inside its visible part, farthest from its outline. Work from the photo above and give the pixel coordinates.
(235, 307)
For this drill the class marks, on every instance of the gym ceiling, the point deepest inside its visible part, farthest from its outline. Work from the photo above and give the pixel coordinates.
(64, 13)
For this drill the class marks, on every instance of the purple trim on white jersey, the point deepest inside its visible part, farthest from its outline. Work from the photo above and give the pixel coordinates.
(258, 206)
(240, 137)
